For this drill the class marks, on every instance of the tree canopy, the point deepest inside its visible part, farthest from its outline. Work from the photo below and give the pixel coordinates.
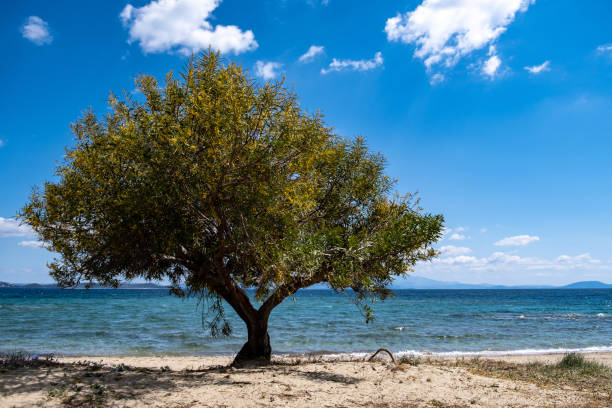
(218, 183)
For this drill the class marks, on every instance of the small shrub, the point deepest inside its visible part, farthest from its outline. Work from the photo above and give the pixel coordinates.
(577, 362)
(410, 360)
(15, 360)
(572, 361)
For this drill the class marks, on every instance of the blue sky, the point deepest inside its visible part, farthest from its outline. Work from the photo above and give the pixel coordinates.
(498, 112)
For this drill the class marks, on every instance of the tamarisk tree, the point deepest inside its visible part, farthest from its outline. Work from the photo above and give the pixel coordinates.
(216, 183)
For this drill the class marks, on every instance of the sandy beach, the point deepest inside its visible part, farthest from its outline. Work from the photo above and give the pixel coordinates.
(296, 381)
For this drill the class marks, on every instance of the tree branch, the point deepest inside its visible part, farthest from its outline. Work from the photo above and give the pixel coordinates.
(285, 290)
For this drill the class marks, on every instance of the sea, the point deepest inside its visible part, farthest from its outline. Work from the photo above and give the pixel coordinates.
(104, 322)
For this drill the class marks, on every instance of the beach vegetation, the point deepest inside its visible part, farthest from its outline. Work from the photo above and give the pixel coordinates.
(410, 359)
(19, 359)
(218, 183)
(573, 370)
(576, 361)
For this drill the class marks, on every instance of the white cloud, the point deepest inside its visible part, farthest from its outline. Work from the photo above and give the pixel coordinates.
(359, 65)
(578, 259)
(491, 65)
(444, 31)
(267, 70)
(483, 230)
(518, 240)
(455, 260)
(503, 262)
(181, 25)
(32, 244)
(36, 30)
(10, 227)
(537, 69)
(312, 52)
(1, 142)
(454, 234)
(437, 78)
(605, 48)
(451, 250)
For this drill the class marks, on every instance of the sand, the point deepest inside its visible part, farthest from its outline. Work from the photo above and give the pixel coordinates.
(165, 381)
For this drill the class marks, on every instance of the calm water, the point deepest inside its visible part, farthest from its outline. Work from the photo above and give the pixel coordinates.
(107, 322)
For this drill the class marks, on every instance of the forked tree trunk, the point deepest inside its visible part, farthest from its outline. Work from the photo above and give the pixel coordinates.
(257, 349)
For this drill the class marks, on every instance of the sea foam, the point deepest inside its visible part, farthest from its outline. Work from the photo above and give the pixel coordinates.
(483, 353)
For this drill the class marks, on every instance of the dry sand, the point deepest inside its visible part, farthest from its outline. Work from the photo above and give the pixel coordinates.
(166, 381)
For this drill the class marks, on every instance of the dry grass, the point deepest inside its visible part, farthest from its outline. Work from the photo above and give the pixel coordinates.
(410, 360)
(573, 372)
(17, 360)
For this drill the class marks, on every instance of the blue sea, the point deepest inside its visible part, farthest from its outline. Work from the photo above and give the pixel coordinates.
(443, 322)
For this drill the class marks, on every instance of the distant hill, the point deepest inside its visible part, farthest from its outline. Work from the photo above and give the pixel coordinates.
(82, 286)
(5, 285)
(419, 282)
(587, 285)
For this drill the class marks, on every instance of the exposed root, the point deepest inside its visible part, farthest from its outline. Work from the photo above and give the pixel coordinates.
(386, 351)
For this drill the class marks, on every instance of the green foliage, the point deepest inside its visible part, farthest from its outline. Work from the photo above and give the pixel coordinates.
(220, 183)
(575, 361)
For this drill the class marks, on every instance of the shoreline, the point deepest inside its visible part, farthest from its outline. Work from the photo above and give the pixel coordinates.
(194, 362)
(327, 354)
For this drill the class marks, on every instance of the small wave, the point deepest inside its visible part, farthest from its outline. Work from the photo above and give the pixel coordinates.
(483, 353)
(601, 315)
(400, 328)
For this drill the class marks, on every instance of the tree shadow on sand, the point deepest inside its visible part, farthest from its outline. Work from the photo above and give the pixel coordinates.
(87, 383)
(84, 383)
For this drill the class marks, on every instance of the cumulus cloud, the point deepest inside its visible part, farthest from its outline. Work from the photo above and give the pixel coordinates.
(577, 259)
(457, 237)
(454, 234)
(10, 227)
(538, 69)
(517, 240)
(491, 65)
(451, 250)
(32, 244)
(444, 31)
(182, 26)
(501, 261)
(267, 70)
(312, 53)
(36, 30)
(358, 65)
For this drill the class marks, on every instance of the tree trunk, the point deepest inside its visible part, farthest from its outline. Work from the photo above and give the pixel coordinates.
(257, 349)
